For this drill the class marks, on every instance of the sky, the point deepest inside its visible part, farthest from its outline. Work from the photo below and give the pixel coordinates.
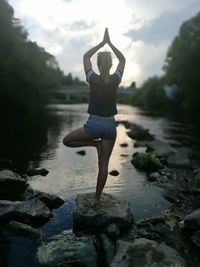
(142, 30)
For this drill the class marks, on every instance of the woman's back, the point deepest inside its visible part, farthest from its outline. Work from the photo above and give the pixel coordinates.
(103, 95)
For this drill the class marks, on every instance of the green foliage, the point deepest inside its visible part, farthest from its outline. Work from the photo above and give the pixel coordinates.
(182, 68)
(69, 80)
(27, 71)
(182, 64)
(146, 161)
(151, 95)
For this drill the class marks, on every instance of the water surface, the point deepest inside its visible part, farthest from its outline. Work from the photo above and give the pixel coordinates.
(36, 141)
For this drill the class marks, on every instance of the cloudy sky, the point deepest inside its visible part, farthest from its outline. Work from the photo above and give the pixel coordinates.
(141, 29)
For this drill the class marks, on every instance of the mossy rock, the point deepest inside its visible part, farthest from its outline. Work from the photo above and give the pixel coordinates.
(146, 162)
(137, 132)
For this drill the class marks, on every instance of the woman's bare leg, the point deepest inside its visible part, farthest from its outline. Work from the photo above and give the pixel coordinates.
(106, 150)
(78, 138)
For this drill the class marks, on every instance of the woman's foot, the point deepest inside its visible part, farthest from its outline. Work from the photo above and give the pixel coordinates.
(95, 206)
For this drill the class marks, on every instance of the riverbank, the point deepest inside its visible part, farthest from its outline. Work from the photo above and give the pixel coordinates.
(175, 169)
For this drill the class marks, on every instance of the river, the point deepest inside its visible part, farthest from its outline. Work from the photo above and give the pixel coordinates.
(37, 142)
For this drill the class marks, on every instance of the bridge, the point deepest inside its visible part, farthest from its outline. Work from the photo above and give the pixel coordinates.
(70, 90)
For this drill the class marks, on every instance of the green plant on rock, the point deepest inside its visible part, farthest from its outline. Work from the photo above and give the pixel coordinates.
(146, 161)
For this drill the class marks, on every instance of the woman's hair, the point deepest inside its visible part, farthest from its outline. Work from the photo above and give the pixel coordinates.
(104, 63)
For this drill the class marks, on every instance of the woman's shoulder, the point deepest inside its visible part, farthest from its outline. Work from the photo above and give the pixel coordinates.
(91, 75)
(116, 77)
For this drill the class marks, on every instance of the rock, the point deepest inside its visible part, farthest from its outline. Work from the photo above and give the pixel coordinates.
(179, 159)
(108, 247)
(30, 211)
(18, 228)
(172, 195)
(196, 238)
(113, 230)
(124, 145)
(52, 201)
(81, 152)
(111, 210)
(137, 132)
(181, 224)
(154, 176)
(11, 185)
(146, 162)
(163, 180)
(146, 253)
(32, 172)
(114, 173)
(196, 172)
(160, 148)
(66, 249)
(192, 220)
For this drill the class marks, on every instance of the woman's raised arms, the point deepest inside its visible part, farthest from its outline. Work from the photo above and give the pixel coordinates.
(118, 54)
(86, 57)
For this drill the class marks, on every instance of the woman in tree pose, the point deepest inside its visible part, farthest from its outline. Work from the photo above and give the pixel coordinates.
(99, 130)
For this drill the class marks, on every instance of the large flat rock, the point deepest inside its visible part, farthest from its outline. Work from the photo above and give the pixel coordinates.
(111, 210)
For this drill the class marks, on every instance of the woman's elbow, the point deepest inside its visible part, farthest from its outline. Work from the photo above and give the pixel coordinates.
(123, 60)
(85, 56)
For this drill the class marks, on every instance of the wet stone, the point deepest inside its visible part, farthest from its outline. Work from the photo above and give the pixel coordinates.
(18, 228)
(12, 185)
(67, 249)
(81, 152)
(145, 252)
(111, 210)
(114, 173)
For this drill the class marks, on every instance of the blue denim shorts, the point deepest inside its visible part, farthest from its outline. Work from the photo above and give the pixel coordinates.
(99, 127)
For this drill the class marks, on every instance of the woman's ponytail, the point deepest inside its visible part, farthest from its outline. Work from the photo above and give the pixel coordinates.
(104, 62)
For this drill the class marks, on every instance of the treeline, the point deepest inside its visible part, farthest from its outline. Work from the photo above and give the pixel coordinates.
(69, 80)
(27, 72)
(179, 87)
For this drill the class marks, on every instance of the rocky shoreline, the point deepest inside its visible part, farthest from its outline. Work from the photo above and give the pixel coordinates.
(109, 235)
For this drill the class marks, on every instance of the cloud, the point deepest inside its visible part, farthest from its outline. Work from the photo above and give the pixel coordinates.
(141, 29)
(164, 27)
(71, 58)
(80, 25)
(148, 57)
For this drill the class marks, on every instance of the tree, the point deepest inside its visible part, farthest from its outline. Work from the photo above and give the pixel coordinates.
(182, 65)
(151, 95)
(27, 71)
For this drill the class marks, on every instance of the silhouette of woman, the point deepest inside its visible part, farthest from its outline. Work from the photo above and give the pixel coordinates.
(99, 130)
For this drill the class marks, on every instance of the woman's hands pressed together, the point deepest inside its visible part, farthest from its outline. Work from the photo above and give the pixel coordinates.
(106, 38)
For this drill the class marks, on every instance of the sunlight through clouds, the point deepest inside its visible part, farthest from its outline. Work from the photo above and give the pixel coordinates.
(68, 28)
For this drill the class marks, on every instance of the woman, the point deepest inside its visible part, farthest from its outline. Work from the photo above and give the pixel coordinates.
(100, 129)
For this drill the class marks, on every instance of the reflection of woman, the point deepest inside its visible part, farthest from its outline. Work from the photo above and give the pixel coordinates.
(100, 129)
